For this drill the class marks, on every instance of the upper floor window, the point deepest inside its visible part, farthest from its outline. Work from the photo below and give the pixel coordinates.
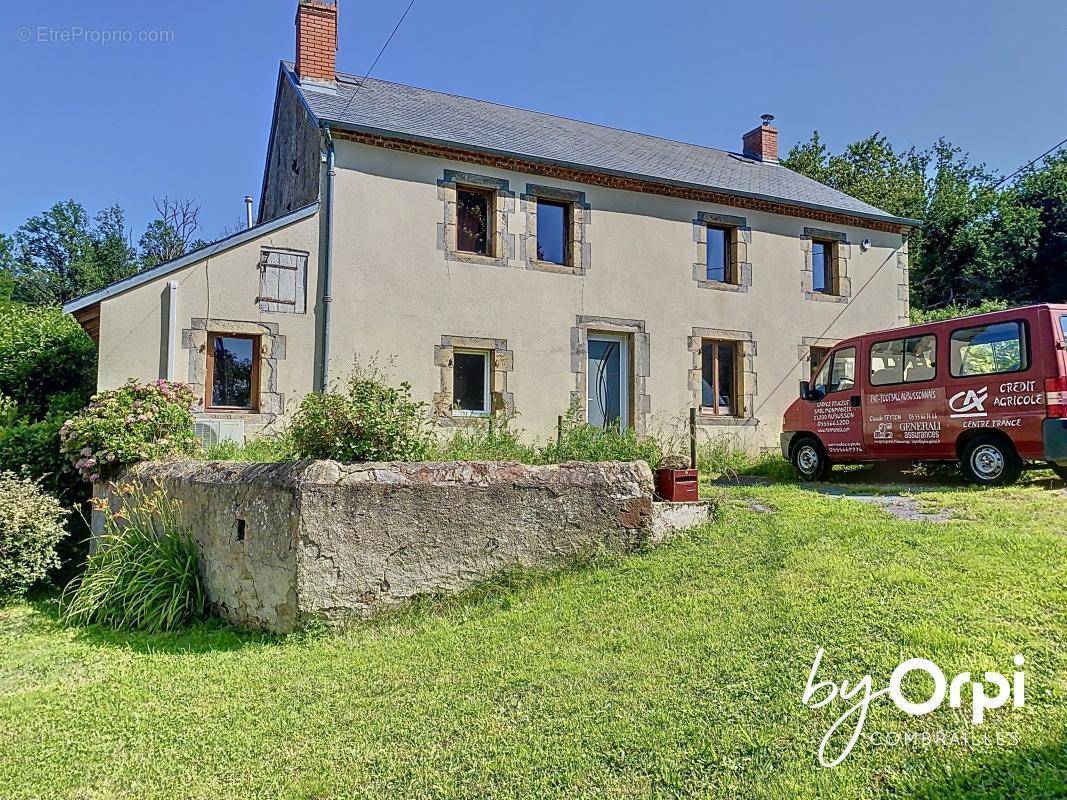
(232, 371)
(822, 266)
(720, 254)
(553, 232)
(988, 349)
(904, 360)
(474, 220)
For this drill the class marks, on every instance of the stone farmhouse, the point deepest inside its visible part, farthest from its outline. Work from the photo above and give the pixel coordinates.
(507, 261)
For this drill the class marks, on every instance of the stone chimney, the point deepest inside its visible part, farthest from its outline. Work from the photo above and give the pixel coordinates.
(762, 142)
(316, 41)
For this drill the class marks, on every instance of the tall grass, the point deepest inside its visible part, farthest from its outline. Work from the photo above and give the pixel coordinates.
(484, 440)
(144, 574)
(260, 448)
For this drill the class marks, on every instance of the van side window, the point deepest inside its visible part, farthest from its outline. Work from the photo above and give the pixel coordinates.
(1063, 327)
(904, 360)
(838, 372)
(988, 349)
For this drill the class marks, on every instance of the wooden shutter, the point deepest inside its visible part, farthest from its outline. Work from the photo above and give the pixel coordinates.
(283, 282)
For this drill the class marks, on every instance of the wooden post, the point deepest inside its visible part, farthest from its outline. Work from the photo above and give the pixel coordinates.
(559, 429)
(692, 438)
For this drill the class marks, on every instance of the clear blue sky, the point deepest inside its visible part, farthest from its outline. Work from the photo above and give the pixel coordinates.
(123, 121)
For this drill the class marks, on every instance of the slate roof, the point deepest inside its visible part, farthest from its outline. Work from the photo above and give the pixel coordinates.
(383, 107)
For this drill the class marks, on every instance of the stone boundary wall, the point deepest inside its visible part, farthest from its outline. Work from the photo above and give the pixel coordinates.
(285, 544)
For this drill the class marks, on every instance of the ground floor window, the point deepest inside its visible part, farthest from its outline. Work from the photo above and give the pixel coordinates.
(817, 354)
(470, 382)
(719, 378)
(232, 371)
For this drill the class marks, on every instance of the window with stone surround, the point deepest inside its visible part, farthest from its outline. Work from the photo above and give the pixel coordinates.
(718, 378)
(199, 341)
(555, 238)
(470, 382)
(232, 372)
(474, 220)
(474, 379)
(475, 226)
(553, 232)
(723, 377)
(722, 252)
(720, 257)
(826, 257)
(822, 266)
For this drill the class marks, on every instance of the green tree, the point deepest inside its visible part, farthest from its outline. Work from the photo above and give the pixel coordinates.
(61, 254)
(1035, 231)
(976, 242)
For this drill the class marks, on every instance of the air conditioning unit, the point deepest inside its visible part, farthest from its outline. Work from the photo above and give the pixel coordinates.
(213, 431)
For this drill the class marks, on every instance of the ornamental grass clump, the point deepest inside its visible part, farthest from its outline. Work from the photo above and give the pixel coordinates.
(31, 525)
(144, 574)
(136, 422)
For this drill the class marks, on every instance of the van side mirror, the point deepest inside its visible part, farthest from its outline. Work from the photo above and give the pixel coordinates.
(805, 390)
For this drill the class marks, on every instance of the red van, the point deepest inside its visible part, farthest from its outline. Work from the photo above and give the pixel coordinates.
(989, 391)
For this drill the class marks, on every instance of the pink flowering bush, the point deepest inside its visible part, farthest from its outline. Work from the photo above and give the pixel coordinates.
(136, 422)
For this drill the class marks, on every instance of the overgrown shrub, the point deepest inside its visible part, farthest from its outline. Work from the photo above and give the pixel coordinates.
(581, 442)
(368, 421)
(145, 572)
(31, 450)
(920, 316)
(31, 525)
(136, 422)
(484, 440)
(44, 353)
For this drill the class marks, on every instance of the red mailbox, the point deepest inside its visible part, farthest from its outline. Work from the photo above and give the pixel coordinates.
(677, 485)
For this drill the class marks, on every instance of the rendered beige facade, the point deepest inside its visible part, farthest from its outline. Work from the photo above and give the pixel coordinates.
(396, 294)
(406, 293)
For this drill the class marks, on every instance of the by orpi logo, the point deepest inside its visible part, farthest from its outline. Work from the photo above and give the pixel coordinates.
(969, 403)
(863, 689)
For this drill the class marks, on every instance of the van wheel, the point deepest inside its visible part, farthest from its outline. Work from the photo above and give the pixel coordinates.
(1060, 470)
(990, 461)
(809, 459)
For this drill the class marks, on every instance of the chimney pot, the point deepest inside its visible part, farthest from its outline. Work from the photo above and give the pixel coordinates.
(762, 142)
(316, 41)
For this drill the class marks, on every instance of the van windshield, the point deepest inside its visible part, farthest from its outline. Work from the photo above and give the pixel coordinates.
(838, 372)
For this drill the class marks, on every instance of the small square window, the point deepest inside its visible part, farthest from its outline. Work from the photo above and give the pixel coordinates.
(470, 383)
(232, 372)
(553, 232)
(822, 266)
(474, 220)
(720, 393)
(720, 255)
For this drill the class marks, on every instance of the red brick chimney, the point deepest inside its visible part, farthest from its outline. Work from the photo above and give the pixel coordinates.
(762, 142)
(316, 41)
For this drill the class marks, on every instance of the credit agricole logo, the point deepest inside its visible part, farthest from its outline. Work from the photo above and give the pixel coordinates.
(992, 692)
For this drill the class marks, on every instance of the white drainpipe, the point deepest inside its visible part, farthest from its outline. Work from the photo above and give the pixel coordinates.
(172, 329)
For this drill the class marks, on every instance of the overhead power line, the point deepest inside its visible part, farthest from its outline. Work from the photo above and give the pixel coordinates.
(1029, 164)
(374, 63)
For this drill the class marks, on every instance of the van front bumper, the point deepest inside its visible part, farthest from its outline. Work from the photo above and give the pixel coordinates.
(1054, 436)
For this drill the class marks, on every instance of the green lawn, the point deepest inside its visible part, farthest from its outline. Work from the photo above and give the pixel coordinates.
(675, 672)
